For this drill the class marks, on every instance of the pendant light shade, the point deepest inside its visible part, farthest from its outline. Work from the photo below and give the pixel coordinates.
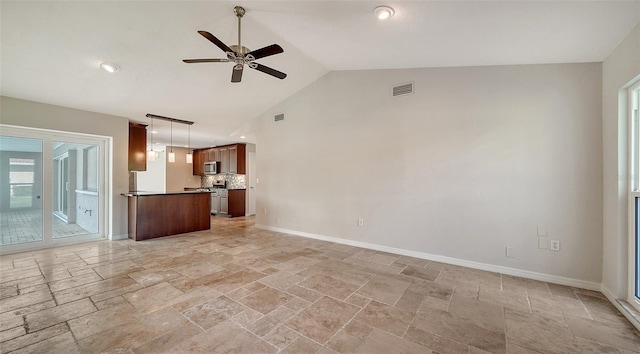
(172, 156)
(151, 155)
(189, 153)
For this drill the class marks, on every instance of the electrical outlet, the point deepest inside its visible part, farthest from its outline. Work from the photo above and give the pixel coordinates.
(543, 243)
(257, 180)
(509, 252)
(555, 245)
(264, 211)
(361, 222)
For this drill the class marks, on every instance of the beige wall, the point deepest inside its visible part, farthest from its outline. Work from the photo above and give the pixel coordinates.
(475, 160)
(180, 173)
(39, 115)
(618, 70)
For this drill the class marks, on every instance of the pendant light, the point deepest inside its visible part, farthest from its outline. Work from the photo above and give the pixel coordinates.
(172, 156)
(189, 153)
(152, 153)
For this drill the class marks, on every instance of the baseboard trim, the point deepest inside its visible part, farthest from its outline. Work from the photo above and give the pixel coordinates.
(119, 237)
(622, 306)
(444, 259)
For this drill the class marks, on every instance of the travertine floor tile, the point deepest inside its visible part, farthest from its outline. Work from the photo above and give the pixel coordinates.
(380, 342)
(239, 289)
(386, 318)
(539, 332)
(133, 334)
(266, 300)
(226, 337)
(323, 319)
(46, 318)
(329, 286)
(625, 337)
(384, 289)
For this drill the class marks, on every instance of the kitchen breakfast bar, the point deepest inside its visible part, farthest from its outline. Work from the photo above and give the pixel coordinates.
(154, 215)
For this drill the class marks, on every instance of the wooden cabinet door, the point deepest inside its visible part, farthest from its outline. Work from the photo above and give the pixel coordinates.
(137, 147)
(198, 162)
(212, 155)
(233, 159)
(224, 160)
(224, 205)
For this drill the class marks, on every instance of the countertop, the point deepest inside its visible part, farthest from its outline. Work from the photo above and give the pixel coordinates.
(142, 193)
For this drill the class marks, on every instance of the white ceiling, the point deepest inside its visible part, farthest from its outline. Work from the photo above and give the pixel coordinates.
(51, 51)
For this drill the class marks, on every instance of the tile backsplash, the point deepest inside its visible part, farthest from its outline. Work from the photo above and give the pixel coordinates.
(233, 181)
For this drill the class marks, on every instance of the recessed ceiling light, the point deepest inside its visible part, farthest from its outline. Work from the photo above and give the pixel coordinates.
(242, 137)
(112, 68)
(154, 132)
(383, 12)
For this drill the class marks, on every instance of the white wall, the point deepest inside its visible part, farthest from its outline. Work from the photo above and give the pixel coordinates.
(180, 173)
(39, 115)
(474, 161)
(154, 178)
(622, 66)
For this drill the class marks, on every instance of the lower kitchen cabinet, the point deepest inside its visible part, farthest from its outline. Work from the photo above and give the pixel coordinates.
(236, 202)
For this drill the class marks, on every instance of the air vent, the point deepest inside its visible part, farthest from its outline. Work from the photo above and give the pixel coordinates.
(404, 89)
(279, 117)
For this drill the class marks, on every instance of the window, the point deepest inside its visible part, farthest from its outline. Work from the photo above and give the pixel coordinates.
(634, 188)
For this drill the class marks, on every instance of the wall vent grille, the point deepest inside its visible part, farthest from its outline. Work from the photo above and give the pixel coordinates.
(404, 89)
(279, 117)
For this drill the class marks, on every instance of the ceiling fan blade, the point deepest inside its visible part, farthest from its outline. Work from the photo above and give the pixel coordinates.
(191, 61)
(236, 76)
(215, 41)
(270, 71)
(266, 51)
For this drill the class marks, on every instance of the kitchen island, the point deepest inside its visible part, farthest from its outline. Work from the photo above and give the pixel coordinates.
(154, 215)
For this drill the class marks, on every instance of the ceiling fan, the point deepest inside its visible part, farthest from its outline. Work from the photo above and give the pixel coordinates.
(240, 55)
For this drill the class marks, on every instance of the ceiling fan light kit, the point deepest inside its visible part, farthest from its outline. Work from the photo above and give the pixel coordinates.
(240, 55)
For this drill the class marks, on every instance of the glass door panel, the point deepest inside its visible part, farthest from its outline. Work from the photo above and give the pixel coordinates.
(75, 189)
(20, 190)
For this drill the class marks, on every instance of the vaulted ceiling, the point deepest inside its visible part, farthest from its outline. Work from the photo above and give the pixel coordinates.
(51, 50)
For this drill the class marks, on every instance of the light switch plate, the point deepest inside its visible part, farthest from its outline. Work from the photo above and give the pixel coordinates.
(543, 243)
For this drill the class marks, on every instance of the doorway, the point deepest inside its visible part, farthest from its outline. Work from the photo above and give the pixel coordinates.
(51, 188)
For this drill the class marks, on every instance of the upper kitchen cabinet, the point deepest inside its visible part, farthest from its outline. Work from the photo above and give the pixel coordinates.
(198, 162)
(137, 147)
(237, 155)
(231, 157)
(224, 159)
(212, 155)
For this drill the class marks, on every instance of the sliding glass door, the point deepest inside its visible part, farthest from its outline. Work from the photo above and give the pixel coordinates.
(51, 188)
(20, 190)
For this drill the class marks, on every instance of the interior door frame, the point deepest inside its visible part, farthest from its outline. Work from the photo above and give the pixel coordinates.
(105, 202)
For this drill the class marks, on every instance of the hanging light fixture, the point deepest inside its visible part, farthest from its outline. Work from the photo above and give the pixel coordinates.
(152, 154)
(189, 153)
(172, 156)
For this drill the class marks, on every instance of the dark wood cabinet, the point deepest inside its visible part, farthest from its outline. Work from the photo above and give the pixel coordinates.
(137, 147)
(236, 202)
(237, 159)
(232, 159)
(198, 162)
(212, 155)
(158, 215)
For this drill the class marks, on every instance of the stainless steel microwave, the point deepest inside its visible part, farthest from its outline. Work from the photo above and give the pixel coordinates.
(211, 168)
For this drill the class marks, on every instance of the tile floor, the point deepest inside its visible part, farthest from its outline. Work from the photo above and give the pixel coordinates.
(25, 225)
(238, 289)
